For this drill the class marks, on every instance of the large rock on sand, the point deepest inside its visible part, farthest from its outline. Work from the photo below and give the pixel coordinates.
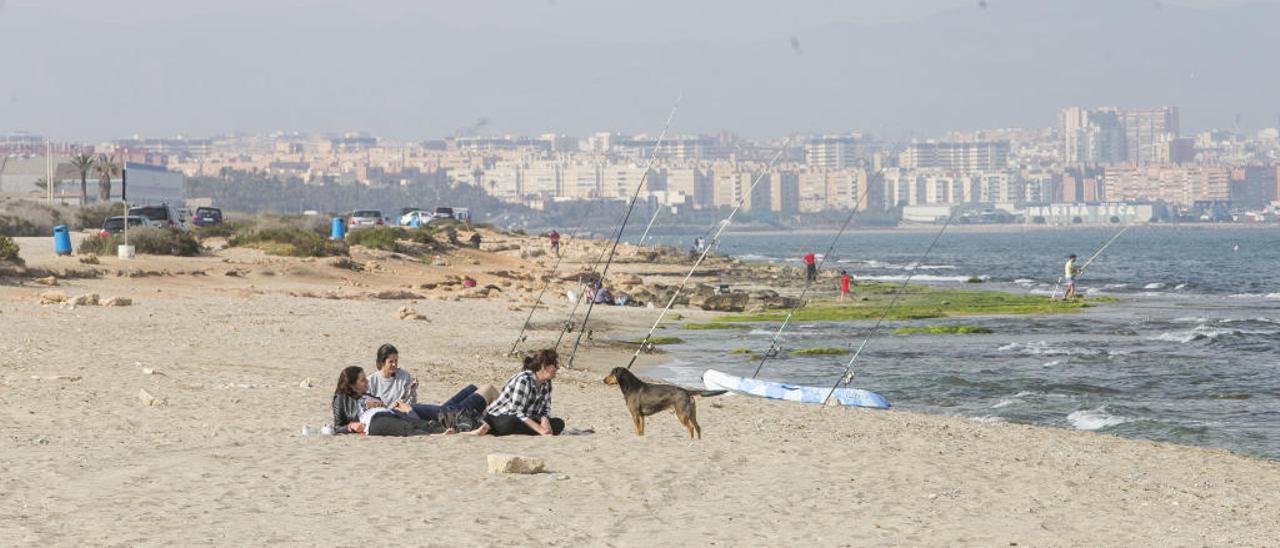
(500, 463)
(727, 302)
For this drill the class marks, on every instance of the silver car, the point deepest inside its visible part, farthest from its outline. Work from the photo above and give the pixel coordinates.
(365, 218)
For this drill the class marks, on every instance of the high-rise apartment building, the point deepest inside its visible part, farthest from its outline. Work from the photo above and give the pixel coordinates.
(957, 156)
(1092, 136)
(1147, 129)
(831, 152)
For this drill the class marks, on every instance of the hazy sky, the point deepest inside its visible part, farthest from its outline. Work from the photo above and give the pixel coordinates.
(626, 20)
(98, 69)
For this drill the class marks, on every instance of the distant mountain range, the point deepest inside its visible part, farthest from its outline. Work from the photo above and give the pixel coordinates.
(327, 69)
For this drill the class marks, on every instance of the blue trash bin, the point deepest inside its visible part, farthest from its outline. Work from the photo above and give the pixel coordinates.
(339, 230)
(61, 240)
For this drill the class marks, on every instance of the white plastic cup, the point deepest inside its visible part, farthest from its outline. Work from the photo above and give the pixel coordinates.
(326, 430)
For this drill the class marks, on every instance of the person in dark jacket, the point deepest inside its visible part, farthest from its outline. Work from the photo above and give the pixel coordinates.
(356, 412)
(524, 406)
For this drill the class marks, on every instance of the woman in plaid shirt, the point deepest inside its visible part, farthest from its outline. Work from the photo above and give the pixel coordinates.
(524, 406)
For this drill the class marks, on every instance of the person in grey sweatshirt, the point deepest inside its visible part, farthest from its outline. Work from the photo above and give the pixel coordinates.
(391, 385)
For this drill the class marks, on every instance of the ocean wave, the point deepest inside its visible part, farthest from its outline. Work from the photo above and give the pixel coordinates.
(1154, 285)
(1025, 281)
(1199, 333)
(872, 263)
(1095, 419)
(1115, 286)
(987, 419)
(1044, 348)
(1273, 296)
(1179, 287)
(1190, 319)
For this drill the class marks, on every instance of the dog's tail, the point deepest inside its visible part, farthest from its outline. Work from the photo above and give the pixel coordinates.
(707, 393)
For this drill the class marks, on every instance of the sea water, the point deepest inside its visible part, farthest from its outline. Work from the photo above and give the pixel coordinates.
(1190, 355)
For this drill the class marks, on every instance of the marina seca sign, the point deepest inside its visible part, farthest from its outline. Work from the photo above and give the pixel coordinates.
(1117, 209)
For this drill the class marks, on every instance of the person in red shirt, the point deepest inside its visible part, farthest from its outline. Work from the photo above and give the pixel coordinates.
(555, 241)
(845, 278)
(811, 269)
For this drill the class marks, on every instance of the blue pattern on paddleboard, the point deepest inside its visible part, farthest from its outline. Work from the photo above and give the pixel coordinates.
(715, 380)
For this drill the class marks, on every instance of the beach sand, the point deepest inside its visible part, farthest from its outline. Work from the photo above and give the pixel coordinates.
(242, 364)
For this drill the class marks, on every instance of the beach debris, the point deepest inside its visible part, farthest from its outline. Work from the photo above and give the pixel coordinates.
(306, 383)
(150, 371)
(118, 301)
(90, 259)
(395, 294)
(47, 280)
(148, 400)
(406, 313)
(53, 297)
(88, 299)
(501, 463)
(346, 264)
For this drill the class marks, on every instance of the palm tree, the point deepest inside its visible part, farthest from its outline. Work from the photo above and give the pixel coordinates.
(83, 163)
(106, 168)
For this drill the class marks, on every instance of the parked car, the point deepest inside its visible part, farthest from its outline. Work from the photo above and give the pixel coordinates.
(205, 216)
(161, 215)
(364, 218)
(444, 213)
(416, 218)
(115, 225)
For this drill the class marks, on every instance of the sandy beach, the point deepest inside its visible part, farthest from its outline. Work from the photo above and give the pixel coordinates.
(238, 363)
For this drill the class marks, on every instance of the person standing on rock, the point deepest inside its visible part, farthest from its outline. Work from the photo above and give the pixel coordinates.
(845, 278)
(554, 237)
(811, 268)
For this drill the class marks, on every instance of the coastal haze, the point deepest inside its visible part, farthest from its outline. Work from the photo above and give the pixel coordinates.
(91, 71)
(460, 180)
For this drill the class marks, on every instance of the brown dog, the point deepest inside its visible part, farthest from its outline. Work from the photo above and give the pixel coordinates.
(644, 399)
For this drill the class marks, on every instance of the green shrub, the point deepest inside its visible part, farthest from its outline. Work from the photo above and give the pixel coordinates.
(383, 238)
(220, 230)
(28, 218)
(149, 241)
(288, 241)
(9, 251)
(92, 217)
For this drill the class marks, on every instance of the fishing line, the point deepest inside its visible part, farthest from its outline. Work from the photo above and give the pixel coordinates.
(716, 238)
(848, 370)
(1054, 295)
(622, 227)
(550, 277)
(774, 349)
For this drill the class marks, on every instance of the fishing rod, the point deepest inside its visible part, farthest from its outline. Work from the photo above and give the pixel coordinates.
(705, 251)
(773, 344)
(1054, 295)
(650, 226)
(1103, 248)
(622, 227)
(550, 277)
(582, 290)
(848, 370)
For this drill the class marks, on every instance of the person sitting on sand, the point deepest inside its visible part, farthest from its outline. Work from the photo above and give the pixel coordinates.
(524, 407)
(394, 386)
(356, 412)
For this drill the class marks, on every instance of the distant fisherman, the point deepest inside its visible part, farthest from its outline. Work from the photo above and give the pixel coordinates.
(1069, 273)
(845, 278)
(811, 268)
(554, 237)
